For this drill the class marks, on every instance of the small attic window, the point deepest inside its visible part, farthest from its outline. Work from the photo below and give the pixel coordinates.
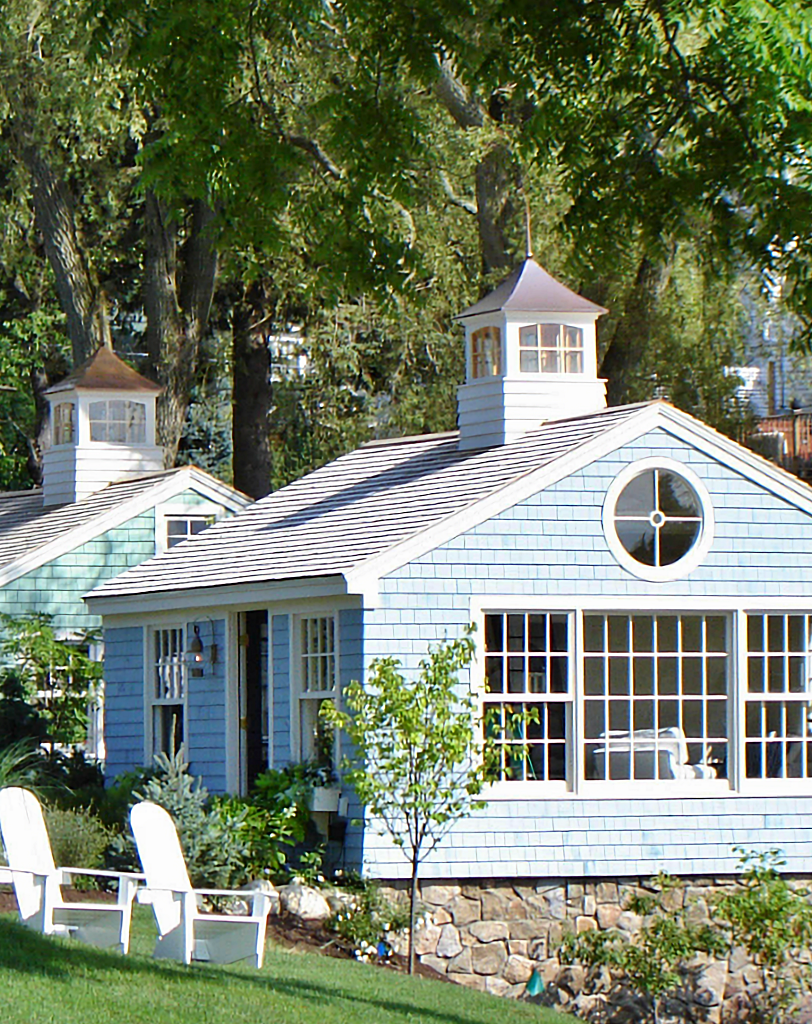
(658, 519)
(118, 421)
(551, 348)
(486, 352)
(64, 423)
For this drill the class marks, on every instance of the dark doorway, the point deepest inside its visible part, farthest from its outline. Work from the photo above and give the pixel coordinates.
(254, 720)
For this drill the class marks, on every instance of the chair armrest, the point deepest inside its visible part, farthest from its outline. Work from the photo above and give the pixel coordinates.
(260, 901)
(130, 876)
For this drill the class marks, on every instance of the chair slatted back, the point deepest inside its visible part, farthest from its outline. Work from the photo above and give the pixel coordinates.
(27, 845)
(162, 860)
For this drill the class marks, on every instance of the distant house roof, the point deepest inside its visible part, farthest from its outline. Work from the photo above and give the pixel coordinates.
(530, 289)
(104, 371)
(31, 534)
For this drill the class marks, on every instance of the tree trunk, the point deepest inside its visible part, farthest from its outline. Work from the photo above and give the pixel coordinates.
(251, 395)
(178, 289)
(80, 297)
(413, 907)
(497, 177)
(624, 361)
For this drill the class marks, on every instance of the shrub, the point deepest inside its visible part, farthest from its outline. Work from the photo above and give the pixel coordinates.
(652, 961)
(225, 840)
(366, 918)
(78, 837)
(773, 922)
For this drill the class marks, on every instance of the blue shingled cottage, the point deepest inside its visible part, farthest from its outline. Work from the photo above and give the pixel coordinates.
(641, 580)
(106, 503)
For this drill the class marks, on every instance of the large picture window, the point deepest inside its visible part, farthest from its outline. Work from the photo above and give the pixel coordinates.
(578, 697)
(168, 690)
(655, 696)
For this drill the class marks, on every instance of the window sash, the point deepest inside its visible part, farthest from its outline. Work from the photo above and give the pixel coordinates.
(118, 421)
(318, 682)
(168, 689)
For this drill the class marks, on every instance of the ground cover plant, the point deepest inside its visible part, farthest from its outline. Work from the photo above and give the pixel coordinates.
(45, 979)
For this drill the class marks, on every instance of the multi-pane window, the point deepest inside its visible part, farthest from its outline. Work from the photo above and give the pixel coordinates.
(655, 696)
(658, 517)
(168, 691)
(118, 421)
(778, 714)
(179, 528)
(486, 352)
(318, 684)
(579, 697)
(551, 348)
(64, 423)
(527, 694)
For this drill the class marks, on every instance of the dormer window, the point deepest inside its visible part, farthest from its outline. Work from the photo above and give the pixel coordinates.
(551, 348)
(118, 422)
(64, 423)
(486, 352)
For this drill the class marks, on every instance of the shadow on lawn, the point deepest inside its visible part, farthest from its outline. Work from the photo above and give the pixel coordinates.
(27, 952)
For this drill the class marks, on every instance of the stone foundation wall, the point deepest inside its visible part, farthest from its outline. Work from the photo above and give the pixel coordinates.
(492, 935)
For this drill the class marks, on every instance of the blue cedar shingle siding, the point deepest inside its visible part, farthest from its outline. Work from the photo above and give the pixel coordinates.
(351, 666)
(56, 588)
(206, 710)
(553, 544)
(281, 682)
(124, 699)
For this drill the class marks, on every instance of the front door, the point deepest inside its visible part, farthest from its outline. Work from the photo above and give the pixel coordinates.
(254, 718)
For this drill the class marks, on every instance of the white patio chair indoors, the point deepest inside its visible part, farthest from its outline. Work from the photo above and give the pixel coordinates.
(184, 931)
(37, 880)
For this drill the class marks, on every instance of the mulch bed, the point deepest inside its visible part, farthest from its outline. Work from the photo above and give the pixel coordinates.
(282, 932)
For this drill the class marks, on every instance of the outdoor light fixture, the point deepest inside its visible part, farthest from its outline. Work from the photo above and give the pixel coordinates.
(196, 653)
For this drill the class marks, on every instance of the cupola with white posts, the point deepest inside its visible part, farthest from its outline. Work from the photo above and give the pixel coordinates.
(102, 429)
(530, 356)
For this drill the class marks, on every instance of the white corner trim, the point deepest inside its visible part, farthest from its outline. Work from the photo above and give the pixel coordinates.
(180, 480)
(696, 554)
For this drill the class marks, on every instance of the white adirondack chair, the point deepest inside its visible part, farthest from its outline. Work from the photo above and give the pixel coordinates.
(37, 880)
(184, 931)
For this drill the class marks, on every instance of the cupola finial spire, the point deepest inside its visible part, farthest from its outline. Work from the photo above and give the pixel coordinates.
(528, 233)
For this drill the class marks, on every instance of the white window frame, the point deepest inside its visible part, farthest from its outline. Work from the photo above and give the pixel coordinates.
(64, 424)
(531, 342)
(735, 785)
(151, 700)
(182, 510)
(129, 423)
(301, 692)
(698, 552)
(487, 352)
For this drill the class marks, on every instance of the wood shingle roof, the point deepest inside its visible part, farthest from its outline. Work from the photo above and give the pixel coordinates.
(335, 519)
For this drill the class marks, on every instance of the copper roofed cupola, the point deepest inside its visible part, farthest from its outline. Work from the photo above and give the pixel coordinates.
(102, 429)
(530, 356)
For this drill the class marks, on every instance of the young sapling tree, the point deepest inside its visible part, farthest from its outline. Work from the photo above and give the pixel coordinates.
(417, 763)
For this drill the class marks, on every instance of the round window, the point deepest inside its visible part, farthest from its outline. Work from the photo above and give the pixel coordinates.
(658, 519)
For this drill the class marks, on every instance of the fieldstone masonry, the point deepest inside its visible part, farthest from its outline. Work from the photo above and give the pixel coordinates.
(492, 936)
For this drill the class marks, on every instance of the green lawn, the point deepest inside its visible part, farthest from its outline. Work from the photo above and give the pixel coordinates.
(53, 981)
